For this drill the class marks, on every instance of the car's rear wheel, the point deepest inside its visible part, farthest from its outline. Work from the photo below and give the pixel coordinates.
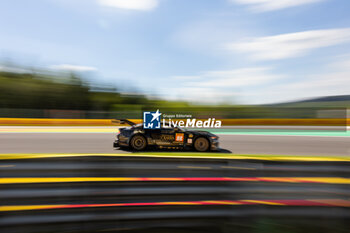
(201, 144)
(138, 142)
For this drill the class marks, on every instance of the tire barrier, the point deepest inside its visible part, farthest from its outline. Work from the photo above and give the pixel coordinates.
(97, 193)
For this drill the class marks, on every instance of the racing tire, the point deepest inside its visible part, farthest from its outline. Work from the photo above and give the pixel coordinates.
(138, 143)
(201, 144)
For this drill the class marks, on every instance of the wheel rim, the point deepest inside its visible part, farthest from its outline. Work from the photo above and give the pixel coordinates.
(138, 143)
(201, 144)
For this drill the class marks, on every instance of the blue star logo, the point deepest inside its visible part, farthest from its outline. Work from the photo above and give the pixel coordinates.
(151, 120)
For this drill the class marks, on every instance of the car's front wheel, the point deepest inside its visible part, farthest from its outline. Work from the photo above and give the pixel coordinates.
(138, 142)
(201, 144)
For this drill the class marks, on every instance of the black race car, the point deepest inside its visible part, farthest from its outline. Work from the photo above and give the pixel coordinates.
(138, 138)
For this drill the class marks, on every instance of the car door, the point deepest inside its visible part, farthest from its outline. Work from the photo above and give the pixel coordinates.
(162, 137)
(167, 136)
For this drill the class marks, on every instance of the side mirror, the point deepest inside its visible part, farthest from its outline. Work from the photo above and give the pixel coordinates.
(176, 129)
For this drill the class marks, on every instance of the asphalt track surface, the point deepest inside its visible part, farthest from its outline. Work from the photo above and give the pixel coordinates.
(236, 144)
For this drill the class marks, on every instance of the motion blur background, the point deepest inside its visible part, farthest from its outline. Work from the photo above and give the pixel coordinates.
(95, 57)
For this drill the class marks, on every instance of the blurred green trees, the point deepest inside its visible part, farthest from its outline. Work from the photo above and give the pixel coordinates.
(34, 93)
(39, 91)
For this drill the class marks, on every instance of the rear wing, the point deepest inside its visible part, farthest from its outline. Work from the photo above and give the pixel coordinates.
(123, 121)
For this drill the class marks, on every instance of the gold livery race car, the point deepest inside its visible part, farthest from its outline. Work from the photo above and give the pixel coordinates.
(138, 138)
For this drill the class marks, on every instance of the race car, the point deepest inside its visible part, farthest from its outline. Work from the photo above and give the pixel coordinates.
(137, 138)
